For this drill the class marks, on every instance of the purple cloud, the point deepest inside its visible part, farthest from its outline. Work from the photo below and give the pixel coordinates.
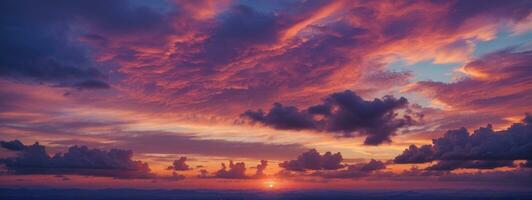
(483, 149)
(312, 160)
(447, 165)
(235, 171)
(261, 167)
(14, 145)
(116, 163)
(354, 171)
(344, 113)
(179, 165)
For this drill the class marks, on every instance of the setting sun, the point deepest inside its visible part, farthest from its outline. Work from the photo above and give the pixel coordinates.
(270, 184)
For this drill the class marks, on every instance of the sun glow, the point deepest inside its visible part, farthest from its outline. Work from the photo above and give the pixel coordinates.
(269, 184)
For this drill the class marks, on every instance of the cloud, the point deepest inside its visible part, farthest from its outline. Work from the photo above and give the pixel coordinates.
(116, 163)
(459, 11)
(224, 52)
(42, 46)
(415, 171)
(483, 149)
(527, 164)
(203, 173)
(470, 164)
(235, 171)
(14, 145)
(373, 165)
(343, 112)
(496, 83)
(240, 27)
(220, 53)
(179, 165)
(49, 56)
(354, 171)
(281, 117)
(416, 155)
(261, 167)
(92, 84)
(312, 160)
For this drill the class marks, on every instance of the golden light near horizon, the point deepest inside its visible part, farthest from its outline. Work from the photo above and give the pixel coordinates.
(270, 184)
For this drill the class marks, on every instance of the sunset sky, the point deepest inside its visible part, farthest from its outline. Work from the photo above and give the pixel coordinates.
(295, 94)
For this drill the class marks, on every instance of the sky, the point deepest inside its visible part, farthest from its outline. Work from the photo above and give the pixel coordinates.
(269, 95)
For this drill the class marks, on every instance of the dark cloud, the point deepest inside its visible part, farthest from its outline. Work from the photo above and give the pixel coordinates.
(470, 164)
(261, 167)
(461, 10)
(118, 16)
(235, 171)
(483, 149)
(203, 173)
(14, 145)
(312, 160)
(282, 117)
(345, 113)
(244, 25)
(237, 30)
(92, 84)
(33, 159)
(402, 26)
(354, 171)
(179, 165)
(38, 48)
(416, 155)
(415, 171)
(372, 165)
(39, 45)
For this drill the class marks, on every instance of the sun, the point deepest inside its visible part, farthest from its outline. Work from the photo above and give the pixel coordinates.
(269, 184)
